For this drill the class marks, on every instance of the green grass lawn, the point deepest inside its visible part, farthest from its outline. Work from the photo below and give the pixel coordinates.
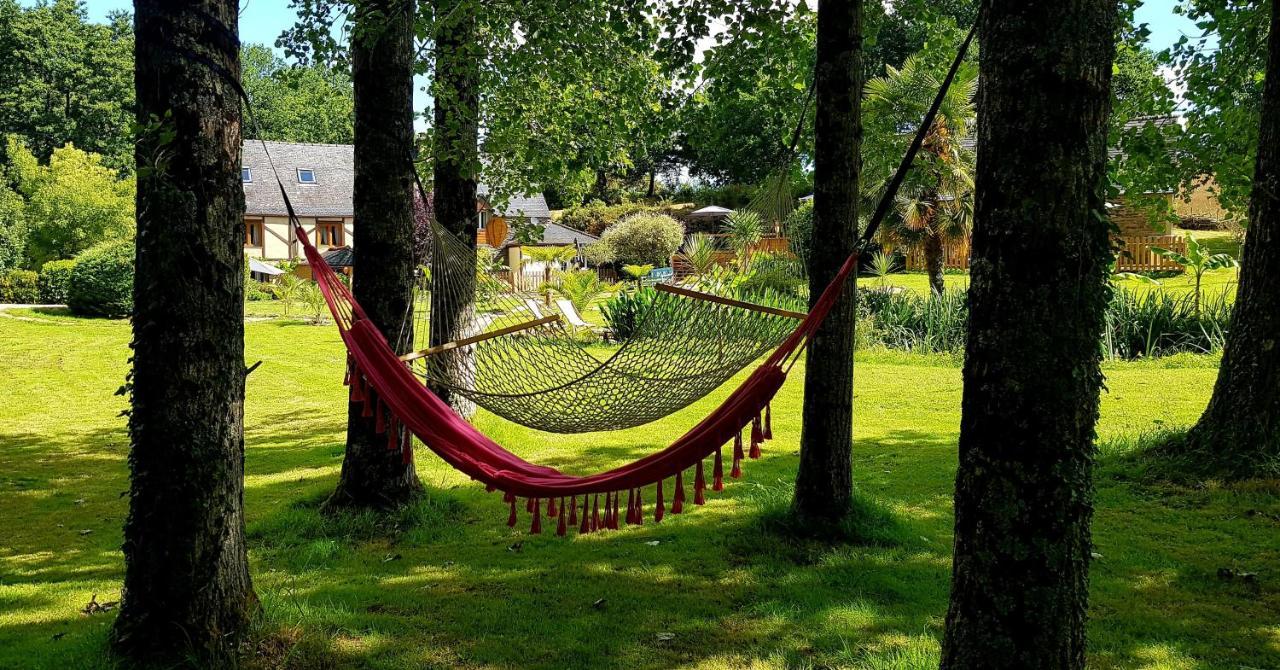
(449, 585)
(1217, 241)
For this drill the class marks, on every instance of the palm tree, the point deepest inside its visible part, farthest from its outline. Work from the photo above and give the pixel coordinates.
(699, 252)
(743, 228)
(935, 203)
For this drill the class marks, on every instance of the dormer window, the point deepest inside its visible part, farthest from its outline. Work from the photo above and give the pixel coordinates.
(246, 175)
(306, 176)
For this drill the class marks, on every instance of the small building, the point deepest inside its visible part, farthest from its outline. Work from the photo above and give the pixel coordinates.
(319, 180)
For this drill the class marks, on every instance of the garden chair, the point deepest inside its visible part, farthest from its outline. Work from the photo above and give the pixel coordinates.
(571, 315)
(534, 308)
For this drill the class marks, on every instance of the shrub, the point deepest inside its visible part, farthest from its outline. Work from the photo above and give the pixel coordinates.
(19, 286)
(1138, 325)
(627, 313)
(742, 229)
(288, 290)
(779, 273)
(598, 253)
(699, 252)
(313, 299)
(55, 281)
(256, 290)
(72, 200)
(905, 320)
(102, 281)
(645, 238)
(596, 217)
(13, 229)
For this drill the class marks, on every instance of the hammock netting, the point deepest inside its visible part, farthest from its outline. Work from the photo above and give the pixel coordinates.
(674, 353)
(541, 376)
(402, 407)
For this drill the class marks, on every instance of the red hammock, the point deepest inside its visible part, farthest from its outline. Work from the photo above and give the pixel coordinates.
(389, 391)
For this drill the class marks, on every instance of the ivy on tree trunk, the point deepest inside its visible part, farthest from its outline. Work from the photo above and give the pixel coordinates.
(187, 590)
(1024, 488)
(824, 482)
(1239, 433)
(382, 59)
(458, 54)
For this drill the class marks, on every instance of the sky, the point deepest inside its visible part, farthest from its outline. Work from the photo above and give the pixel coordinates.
(262, 21)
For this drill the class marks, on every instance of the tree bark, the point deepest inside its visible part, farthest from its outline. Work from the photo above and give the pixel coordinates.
(1024, 489)
(456, 162)
(1239, 433)
(382, 58)
(934, 261)
(186, 586)
(824, 482)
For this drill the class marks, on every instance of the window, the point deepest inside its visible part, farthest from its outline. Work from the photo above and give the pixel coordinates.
(329, 233)
(253, 232)
(306, 176)
(246, 175)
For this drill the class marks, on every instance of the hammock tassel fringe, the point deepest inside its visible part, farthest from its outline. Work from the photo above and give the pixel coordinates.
(565, 510)
(590, 519)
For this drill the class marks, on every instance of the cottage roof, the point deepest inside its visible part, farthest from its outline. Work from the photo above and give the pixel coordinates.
(532, 206)
(261, 267)
(553, 235)
(339, 257)
(332, 167)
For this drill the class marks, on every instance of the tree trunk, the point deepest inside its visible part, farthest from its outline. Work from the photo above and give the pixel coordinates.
(186, 586)
(934, 260)
(1239, 433)
(457, 123)
(382, 57)
(1024, 488)
(601, 187)
(824, 483)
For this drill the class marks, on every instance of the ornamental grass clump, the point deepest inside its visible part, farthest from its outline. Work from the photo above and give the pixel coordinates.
(1157, 323)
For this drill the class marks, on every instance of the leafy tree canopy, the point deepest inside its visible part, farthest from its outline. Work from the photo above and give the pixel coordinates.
(1223, 95)
(301, 103)
(740, 123)
(66, 80)
(72, 203)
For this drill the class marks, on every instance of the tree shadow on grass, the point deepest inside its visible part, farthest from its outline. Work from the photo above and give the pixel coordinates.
(1157, 592)
(709, 584)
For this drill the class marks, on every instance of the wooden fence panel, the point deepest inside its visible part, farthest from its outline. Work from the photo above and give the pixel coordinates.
(1138, 253)
(956, 255)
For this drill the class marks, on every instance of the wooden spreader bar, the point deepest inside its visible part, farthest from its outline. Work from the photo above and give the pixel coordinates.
(507, 330)
(699, 295)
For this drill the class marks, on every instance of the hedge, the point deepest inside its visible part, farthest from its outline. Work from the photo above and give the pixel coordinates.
(19, 286)
(55, 281)
(102, 281)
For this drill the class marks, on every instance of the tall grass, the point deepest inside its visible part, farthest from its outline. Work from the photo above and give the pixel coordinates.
(914, 322)
(1156, 323)
(1137, 324)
